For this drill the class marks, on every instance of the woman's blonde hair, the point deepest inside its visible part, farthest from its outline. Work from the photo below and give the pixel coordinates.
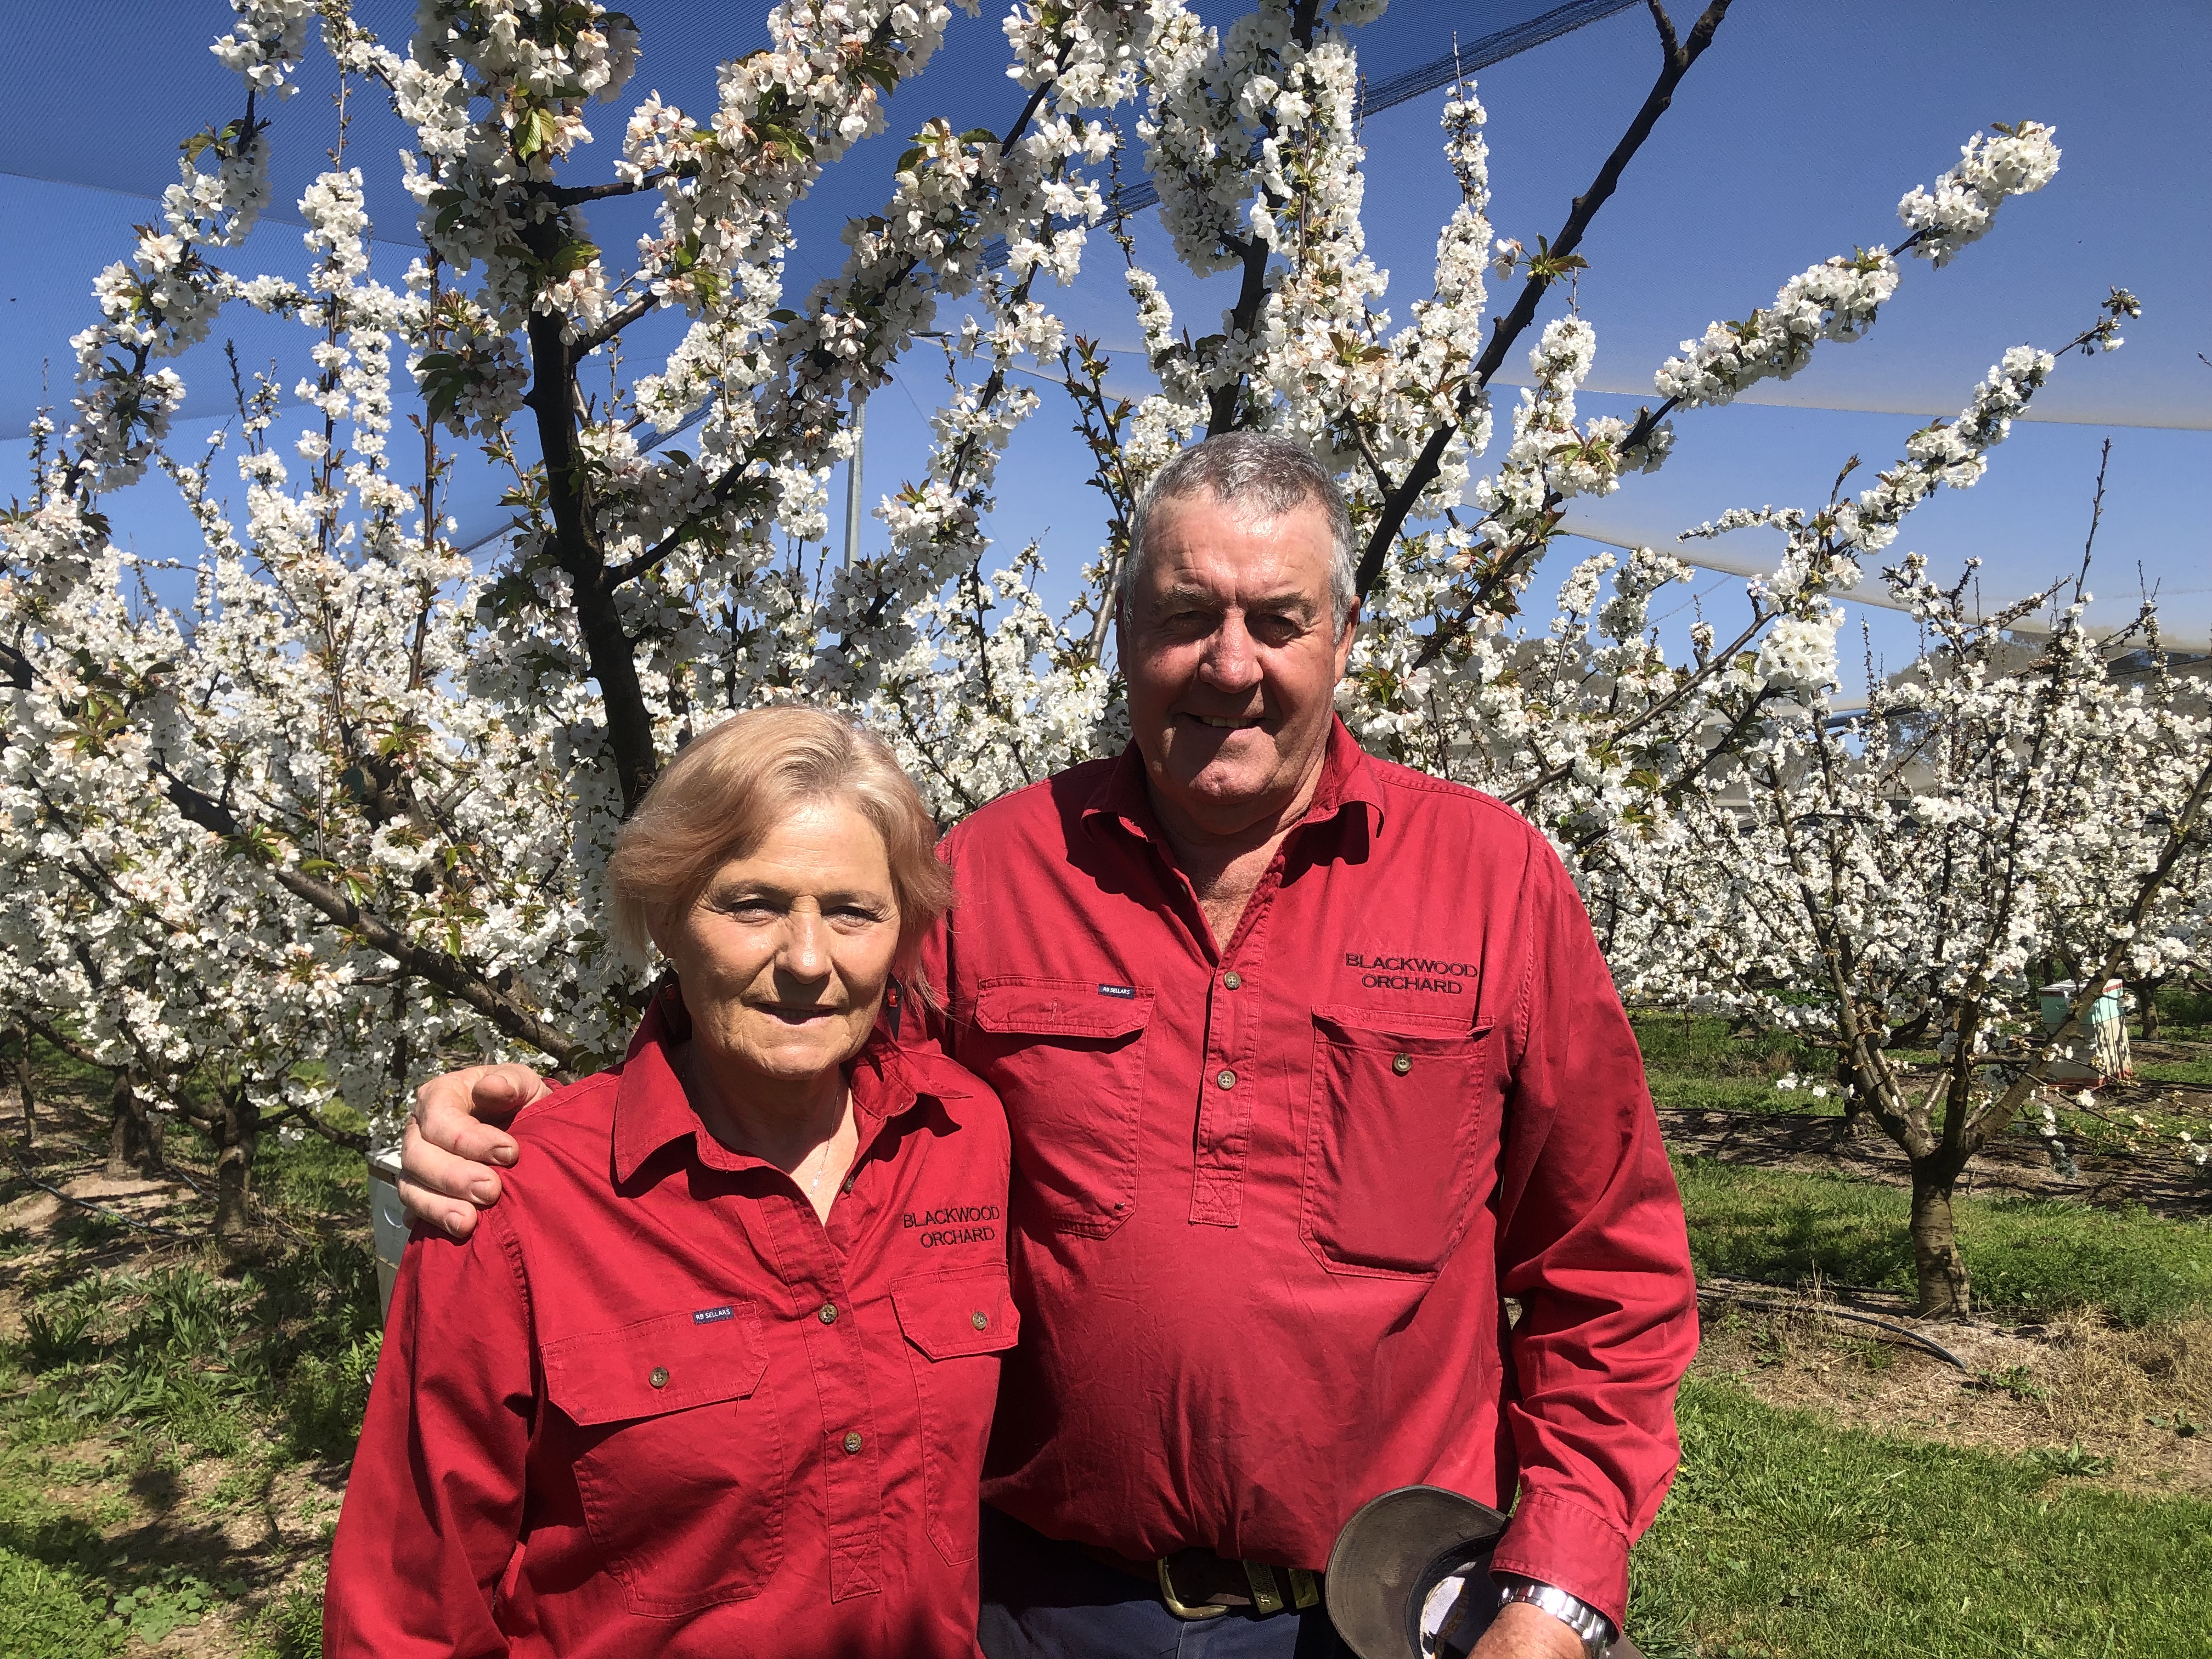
(728, 787)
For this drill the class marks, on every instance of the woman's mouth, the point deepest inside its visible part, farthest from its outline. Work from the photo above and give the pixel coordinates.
(795, 1016)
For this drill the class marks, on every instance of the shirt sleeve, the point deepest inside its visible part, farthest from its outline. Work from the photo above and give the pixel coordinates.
(1592, 1246)
(433, 1508)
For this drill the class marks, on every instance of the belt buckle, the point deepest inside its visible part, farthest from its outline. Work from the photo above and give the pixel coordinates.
(1176, 1604)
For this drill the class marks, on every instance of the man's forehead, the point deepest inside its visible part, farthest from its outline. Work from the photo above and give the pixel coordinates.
(1204, 545)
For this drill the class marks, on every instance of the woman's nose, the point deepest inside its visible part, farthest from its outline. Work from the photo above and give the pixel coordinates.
(805, 946)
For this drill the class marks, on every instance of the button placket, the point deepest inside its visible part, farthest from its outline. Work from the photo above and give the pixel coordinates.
(1225, 1104)
(851, 1464)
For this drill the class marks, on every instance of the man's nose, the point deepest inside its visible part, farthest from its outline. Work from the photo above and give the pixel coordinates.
(1230, 663)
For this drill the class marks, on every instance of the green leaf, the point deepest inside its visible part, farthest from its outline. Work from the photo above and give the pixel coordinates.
(535, 132)
(571, 257)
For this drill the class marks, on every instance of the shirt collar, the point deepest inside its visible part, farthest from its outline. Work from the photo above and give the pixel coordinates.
(1347, 777)
(888, 1077)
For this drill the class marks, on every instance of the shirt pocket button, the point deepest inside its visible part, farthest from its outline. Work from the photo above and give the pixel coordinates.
(659, 1376)
(1402, 1064)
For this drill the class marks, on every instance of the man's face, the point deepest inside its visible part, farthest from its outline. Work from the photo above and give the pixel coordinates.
(1232, 659)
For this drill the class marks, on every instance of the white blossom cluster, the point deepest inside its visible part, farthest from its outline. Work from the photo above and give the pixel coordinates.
(1964, 201)
(341, 819)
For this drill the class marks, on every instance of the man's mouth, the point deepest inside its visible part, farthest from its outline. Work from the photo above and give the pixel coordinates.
(1227, 722)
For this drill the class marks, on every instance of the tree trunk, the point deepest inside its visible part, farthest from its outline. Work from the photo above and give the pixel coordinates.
(19, 1061)
(1941, 1269)
(237, 1133)
(134, 1145)
(2146, 996)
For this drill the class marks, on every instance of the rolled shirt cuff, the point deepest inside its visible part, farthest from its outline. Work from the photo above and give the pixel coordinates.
(1555, 1540)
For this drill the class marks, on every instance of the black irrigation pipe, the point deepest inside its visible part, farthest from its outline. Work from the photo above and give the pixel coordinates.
(182, 1175)
(97, 1209)
(1826, 1312)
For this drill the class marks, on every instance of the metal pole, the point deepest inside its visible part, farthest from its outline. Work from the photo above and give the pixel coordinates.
(853, 483)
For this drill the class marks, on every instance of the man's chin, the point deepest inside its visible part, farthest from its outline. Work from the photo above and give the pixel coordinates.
(1219, 791)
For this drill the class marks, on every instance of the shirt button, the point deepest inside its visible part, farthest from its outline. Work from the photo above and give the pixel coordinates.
(659, 1377)
(980, 1319)
(828, 1315)
(1226, 1078)
(853, 1442)
(1401, 1064)
(1233, 980)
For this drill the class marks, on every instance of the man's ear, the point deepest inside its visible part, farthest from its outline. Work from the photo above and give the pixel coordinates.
(1344, 640)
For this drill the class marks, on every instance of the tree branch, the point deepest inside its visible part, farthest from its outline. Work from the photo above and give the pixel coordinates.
(457, 978)
(588, 343)
(1677, 59)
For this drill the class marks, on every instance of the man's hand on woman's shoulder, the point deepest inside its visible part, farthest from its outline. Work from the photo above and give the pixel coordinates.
(453, 1138)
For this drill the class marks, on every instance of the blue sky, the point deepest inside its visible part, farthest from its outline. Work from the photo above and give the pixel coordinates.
(1791, 140)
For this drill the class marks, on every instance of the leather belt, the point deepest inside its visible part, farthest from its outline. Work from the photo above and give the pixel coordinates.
(1197, 1583)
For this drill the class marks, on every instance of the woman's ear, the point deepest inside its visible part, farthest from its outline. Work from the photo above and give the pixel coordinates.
(658, 930)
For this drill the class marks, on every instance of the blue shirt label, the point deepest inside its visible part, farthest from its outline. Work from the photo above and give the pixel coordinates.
(1117, 991)
(709, 1315)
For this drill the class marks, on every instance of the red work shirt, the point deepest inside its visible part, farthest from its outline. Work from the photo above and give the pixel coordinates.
(655, 1406)
(1268, 1195)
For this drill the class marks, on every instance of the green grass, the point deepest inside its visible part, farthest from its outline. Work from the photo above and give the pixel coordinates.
(2028, 1256)
(1787, 1539)
(159, 1402)
(1692, 1063)
(47, 1612)
(2195, 1073)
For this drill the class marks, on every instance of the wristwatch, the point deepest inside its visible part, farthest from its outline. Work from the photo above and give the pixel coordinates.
(1595, 1629)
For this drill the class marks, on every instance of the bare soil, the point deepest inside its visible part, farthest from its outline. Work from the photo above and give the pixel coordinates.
(2012, 1165)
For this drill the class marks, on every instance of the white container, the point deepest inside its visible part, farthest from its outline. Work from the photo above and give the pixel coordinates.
(2099, 1044)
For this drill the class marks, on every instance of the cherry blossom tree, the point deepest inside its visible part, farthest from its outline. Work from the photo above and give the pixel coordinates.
(342, 817)
(2013, 801)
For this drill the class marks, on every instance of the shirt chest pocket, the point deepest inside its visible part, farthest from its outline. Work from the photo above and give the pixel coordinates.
(1067, 1057)
(956, 1325)
(1392, 1121)
(679, 1458)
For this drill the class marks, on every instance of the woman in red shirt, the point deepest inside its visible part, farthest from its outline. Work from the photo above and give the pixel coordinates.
(715, 1379)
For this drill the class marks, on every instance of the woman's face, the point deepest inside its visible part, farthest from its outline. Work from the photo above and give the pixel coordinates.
(785, 956)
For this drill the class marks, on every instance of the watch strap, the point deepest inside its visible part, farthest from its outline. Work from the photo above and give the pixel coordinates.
(1595, 1629)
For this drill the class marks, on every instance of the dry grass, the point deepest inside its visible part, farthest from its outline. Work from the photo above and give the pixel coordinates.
(2128, 1410)
(2144, 1386)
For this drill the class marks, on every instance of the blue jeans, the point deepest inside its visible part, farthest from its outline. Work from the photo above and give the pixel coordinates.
(1043, 1600)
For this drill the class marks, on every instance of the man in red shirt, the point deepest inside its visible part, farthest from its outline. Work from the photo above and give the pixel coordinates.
(1312, 1065)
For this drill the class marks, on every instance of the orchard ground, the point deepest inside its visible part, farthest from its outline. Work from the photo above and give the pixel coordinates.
(176, 1414)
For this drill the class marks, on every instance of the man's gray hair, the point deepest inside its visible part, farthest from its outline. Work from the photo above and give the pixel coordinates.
(1267, 476)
